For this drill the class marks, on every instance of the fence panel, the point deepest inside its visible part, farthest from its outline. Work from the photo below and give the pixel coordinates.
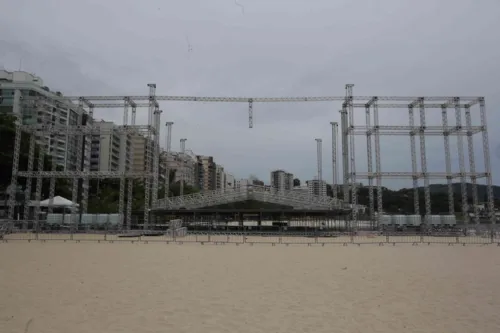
(295, 231)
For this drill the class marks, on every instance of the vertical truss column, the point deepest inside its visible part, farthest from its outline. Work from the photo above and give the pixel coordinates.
(319, 162)
(472, 163)
(183, 166)
(487, 163)
(351, 140)
(414, 168)
(78, 167)
(250, 113)
(461, 160)
(370, 163)
(29, 180)
(52, 184)
(423, 162)
(334, 159)
(168, 147)
(123, 164)
(147, 179)
(378, 164)
(345, 153)
(39, 179)
(16, 110)
(130, 184)
(86, 164)
(447, 154)
(156, 155)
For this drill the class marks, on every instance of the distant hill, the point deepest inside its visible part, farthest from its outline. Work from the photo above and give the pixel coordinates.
(481, 190)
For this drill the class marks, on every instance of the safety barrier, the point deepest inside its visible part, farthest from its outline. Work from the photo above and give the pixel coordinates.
(179, 233)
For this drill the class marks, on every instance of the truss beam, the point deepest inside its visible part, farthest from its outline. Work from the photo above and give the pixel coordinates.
(252, 192)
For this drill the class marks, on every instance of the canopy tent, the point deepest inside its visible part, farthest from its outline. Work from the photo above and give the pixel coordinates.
(58, 202)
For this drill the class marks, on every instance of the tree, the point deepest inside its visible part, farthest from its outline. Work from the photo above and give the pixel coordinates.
(7, 138)
(296, 182)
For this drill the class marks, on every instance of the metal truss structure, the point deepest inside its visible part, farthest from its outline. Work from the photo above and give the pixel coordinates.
(297, 200)
(459, 130)
(24, 104)
(150, 176)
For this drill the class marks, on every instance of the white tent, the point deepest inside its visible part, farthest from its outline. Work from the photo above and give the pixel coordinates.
(58, 202)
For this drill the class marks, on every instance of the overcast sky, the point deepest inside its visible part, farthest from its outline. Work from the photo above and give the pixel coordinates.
(265, 48)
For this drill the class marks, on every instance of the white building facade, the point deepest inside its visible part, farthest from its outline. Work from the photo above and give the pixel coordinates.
(316, 187)
(106, 149)
(281, 180)
(38, 106)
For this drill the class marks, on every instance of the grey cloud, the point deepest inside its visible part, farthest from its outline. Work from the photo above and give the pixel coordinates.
(276, 48)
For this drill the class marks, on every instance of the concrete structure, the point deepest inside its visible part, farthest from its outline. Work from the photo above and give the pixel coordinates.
(230, 182)
(174, 162)
(206, 172)
(281, 180)
(62, 147)
(303, 189)
(105, 148)
(220, 178)
(316, 187)
(242, 183)
(139, 148)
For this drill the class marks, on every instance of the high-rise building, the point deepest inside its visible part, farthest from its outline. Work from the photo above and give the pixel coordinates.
(206, 172)
(139, 149)
(316, 187)
(281, 180)
(230, 182)
(105, 148)
(242, 183)
(220, 178)
(39, 107)
(183, 164)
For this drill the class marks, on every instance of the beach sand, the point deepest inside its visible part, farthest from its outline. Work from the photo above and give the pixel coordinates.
(123, 287)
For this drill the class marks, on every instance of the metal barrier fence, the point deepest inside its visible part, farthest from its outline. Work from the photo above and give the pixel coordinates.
(214, 233)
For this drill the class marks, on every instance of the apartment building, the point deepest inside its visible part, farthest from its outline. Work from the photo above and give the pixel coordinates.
(229, 183)
(316, 187)
(302, 189)
(281, 180)
(37, 106)
(220, 178)
(206, 173)
(139, 149)
(105, 148)
(242, 183)
(184, 164)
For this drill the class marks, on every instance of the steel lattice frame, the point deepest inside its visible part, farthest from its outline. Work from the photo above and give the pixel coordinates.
(371, 104)
(27, 104)
(298, 200)
(457, 130)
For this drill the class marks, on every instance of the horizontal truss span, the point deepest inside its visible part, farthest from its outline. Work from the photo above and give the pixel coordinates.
(408, 130)
(83, 174)
(225, 212)
(253, 192)
(37, 129)
(443, 99)
(315, 99)
(417, 175)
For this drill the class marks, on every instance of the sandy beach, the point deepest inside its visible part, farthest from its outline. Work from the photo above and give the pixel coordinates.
(122, 287)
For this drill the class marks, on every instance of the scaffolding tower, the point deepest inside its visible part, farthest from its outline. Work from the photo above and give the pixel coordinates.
(422, 105)
(372, 130)
(24, 104)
